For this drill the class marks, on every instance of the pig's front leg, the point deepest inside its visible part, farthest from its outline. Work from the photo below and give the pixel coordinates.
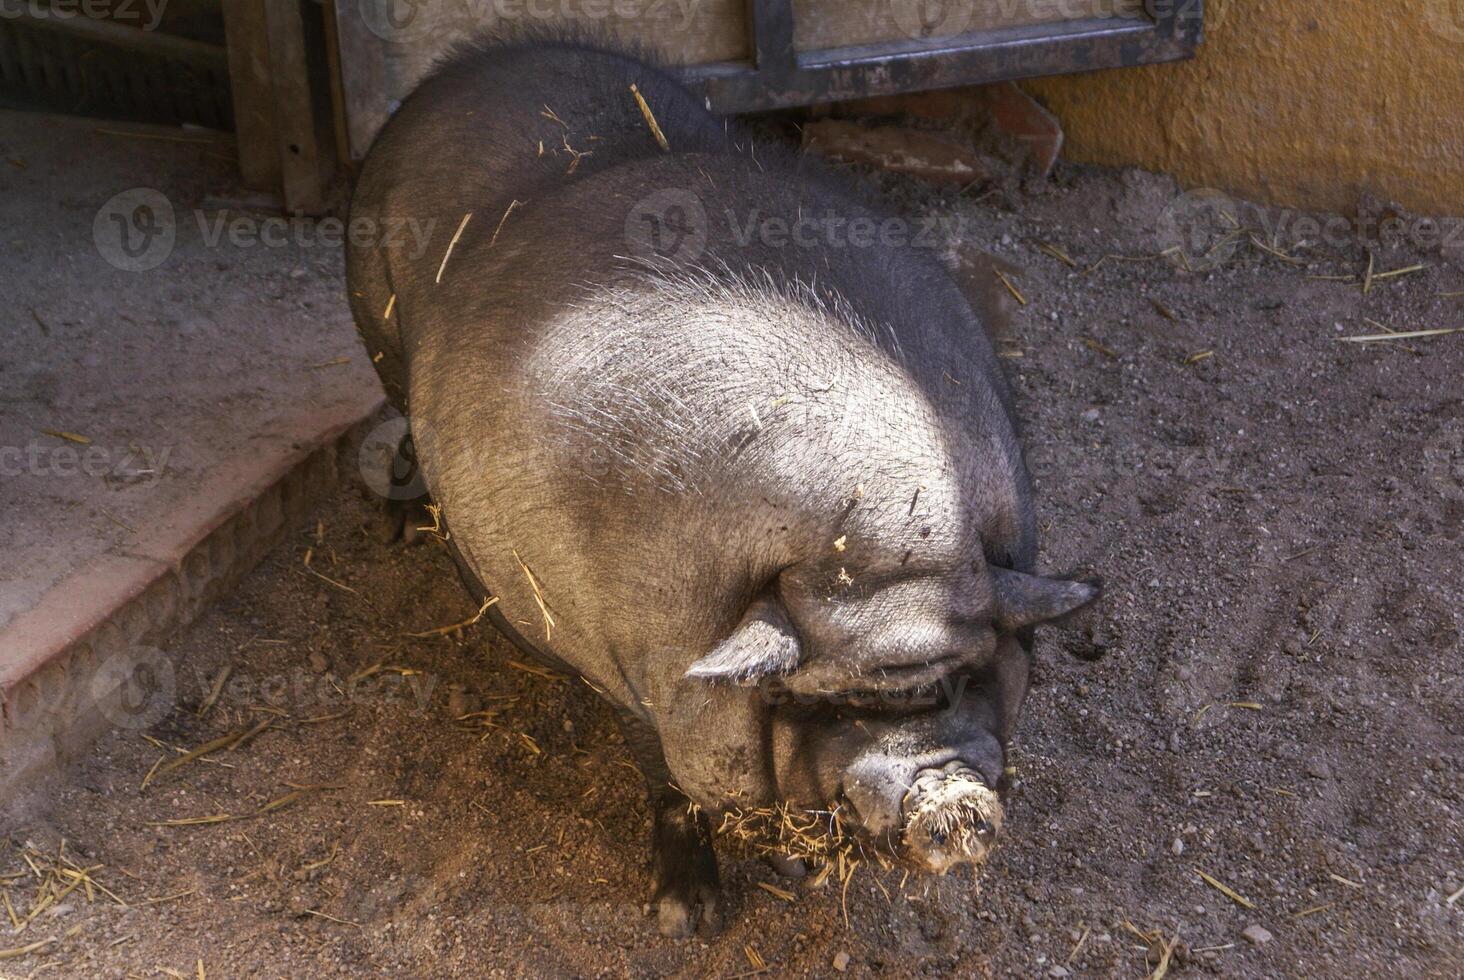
(683, 861)
(404, 509)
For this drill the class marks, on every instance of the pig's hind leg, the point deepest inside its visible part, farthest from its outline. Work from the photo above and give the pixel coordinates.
(685, 892)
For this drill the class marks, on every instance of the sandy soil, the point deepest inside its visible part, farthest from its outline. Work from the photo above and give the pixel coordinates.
(1276, 702)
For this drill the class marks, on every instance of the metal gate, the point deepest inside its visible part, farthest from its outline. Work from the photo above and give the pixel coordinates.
(781, 75)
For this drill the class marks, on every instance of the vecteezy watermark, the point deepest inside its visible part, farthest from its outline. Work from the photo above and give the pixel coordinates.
(833, 230)
(145, 14)
(409, 21)
(408, 235)
(1202, 225)
(1443, 462)
(135, 230)
(387, 458)
(923, 19)
(672, 226)
(1202, 229)
(400, 21)
(930, 18)
(303, 693)
(135, 688)
(943, 695)
(668, 225)
(132, 464)
(140, 686)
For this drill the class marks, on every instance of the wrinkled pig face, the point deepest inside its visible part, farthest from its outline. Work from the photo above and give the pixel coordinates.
(891, 704)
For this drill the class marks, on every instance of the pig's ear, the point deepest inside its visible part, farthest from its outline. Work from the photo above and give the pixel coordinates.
(1023, 601)
(764, 643)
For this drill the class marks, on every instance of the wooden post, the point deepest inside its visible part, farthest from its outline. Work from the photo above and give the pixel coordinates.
(253, 96)
(360, 77)
(303, 154)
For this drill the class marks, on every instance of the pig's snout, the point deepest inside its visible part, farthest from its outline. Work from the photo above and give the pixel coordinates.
(935, 814)
(951, 818)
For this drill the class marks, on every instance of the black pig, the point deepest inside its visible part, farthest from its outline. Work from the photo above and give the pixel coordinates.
(723, 439)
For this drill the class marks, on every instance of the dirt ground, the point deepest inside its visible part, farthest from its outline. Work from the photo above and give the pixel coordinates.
(215, 361)
(1278, 517)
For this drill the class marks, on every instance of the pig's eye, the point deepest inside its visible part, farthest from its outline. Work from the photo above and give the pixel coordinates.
(916, 699)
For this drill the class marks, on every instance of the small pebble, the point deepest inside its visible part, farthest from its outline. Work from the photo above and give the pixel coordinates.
(1091, 415)
(1177, 848)
(461, 701)
(1256, 934)
(841, 961)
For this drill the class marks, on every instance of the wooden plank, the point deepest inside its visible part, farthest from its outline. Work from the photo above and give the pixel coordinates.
(823, 24)
(297, 130)
(112, 34)
(253, 96)
(359, 76)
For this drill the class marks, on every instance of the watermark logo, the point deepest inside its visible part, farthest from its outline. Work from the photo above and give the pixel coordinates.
(136, 688)
(671, 227)
(400, 21)
(1443, 462)
(143, 14)
(667, 226)
(1199, 229)
(408, 21)
(129, 465)
(1203, 229)
(925, 19)
(388, 458)
(404, 234)
(947, 694)
(135, 230)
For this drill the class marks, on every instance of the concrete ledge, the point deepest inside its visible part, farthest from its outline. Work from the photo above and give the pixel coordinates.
(86, 658)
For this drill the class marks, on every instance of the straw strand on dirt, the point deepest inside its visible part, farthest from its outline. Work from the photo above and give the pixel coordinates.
(1225, 889)
(1010, 288)
(1369, 338)
(488, 601)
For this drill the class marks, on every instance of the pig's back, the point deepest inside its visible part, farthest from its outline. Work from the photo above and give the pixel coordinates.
(507, 118)
(657, 438)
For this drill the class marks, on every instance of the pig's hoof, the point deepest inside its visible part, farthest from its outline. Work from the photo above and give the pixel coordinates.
(407, 521)
(687, 905)
(686, 876)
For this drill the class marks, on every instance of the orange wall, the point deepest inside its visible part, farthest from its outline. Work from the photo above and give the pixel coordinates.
(1298, 102)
